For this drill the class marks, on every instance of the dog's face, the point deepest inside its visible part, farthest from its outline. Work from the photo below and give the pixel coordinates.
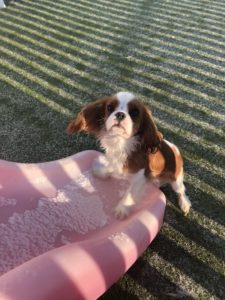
(122, 114)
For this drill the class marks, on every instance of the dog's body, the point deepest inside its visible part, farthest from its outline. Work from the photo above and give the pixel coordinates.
(133, 145)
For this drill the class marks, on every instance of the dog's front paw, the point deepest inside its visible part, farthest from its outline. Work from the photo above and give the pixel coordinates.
(100, 168)
(121, 211)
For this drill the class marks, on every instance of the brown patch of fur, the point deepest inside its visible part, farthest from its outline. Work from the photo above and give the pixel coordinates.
(164, 165)
(159, 160)
(144, 125)
(77, 124)
(92, 116)
(179, 165)
(138, 160)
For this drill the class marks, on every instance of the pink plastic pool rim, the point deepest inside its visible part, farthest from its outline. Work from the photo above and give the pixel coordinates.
(81, 249)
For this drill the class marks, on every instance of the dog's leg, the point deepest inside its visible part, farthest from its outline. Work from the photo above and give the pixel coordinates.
(132, 195)
(100, 168)
(179, 188)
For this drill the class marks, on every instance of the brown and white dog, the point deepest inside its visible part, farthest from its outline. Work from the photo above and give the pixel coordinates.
(133, 145)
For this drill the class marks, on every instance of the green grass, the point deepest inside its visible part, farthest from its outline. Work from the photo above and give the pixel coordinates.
(56, 56)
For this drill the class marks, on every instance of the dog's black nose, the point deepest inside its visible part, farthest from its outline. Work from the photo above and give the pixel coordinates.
(120, 116)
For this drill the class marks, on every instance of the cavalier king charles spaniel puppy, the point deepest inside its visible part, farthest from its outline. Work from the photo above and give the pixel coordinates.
(133, 146)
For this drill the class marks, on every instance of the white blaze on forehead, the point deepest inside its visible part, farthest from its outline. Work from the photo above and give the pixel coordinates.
(124, 98)
(126, 123)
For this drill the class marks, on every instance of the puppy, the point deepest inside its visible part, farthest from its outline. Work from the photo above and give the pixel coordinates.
(133, 146)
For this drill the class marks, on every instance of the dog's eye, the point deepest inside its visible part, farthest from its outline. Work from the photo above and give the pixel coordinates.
(110, 108)
(134, 112)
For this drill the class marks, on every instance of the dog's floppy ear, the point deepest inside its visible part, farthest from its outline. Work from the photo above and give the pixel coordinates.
(77, 124)
(150, 136)
(91, 118)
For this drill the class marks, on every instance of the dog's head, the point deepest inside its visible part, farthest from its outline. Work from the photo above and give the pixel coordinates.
(122, 114)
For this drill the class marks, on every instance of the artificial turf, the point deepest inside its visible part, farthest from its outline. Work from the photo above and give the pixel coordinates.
(56, 56)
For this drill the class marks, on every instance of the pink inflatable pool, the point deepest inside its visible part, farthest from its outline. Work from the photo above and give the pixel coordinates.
(58, 236)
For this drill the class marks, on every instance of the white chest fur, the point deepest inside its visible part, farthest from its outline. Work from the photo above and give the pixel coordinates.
(117, 150)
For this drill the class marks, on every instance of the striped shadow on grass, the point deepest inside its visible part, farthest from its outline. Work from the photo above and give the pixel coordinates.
(204, 95)
(216, 131)
(55, 56)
